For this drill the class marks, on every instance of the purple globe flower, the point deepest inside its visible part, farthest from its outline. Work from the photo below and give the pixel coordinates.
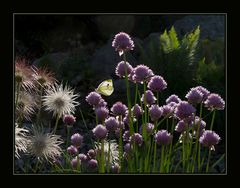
(102, 103)
(198, 122)
(75, 162)
(72, 150)
(150, 99)
(127, 147)
(82, 157)
(173, 98)
(209, 139)
(142, 73)
(115, 168)
(101, 113)
(126, 119)
(157, 84)
(162, 137)
(100, 131)
(137, 138)
(167, 110)
(131, 76)
(69, 119)
(204, 91)
(119, 109)
(155, 112)
(172, 104)
(194, 96)
(184, 110)
(181, 126)
(111, 124)
(93, 98)
(122, 42)
(126, 136)
(92, 164)
(149, 128)
(76, 140)
(91, 154)
(214, 102)
(120, 69)
(137, 110)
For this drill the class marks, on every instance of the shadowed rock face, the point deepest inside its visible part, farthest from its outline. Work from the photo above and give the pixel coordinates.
(105, 60)
(212, 26)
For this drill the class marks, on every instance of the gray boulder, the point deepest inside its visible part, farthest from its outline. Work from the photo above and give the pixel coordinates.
(105, 60)
(53, 60)
(211, 26)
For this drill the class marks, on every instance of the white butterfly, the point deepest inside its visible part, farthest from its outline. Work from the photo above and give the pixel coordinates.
(105, 88)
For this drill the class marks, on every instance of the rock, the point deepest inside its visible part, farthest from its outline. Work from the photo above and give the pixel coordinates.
(112, 24)
(152, 41)
(105, 60)
(211, 26)
(53, 60)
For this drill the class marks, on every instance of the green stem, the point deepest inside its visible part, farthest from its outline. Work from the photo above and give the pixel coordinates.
(172, 127)
(68, 131)
(128, 96)
(56, 124)
(162, 159)
(145, 111)
(154, 156)
(147, 163)
(213, 117)
(155, 128)
(141, 164)
(169, 157)
(102, 157)
(167, 124)
(197, 140)
(183, 152)
(96, 119)
(203, 159)
(121, 148)
(108, 167)
(157, 98)
(136, 94)
(187, 148)
(84, 122)
(200, 115)
(135, 150)
(199, 156)
(208, 161)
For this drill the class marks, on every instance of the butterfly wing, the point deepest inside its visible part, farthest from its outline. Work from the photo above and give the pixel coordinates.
(106, 88)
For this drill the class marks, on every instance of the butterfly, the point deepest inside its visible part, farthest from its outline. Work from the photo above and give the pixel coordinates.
(105, 88)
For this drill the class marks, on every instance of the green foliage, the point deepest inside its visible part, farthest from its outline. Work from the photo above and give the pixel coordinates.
(210, 71)
(175, 59)
(186, 63)
(190, 42)
(212, 50)
(169, 41)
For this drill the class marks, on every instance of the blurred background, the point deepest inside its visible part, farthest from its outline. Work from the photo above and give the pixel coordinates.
(187, 50)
